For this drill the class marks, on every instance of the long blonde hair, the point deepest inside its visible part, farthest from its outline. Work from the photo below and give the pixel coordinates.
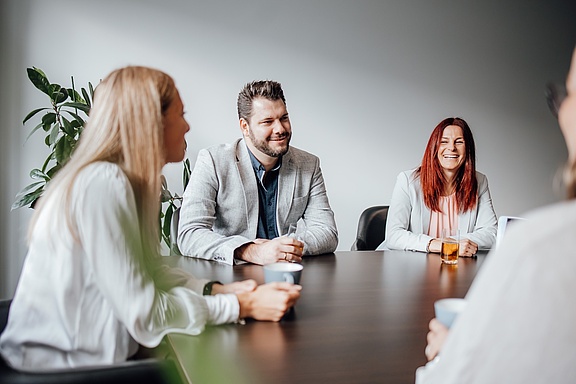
(125, 127)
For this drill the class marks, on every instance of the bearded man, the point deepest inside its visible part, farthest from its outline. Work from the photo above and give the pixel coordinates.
(243, 197)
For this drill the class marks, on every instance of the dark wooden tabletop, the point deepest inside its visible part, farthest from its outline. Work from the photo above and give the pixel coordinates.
(362, 318)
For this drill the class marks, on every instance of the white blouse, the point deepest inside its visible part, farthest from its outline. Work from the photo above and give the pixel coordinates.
(520, 322)
(88, 301)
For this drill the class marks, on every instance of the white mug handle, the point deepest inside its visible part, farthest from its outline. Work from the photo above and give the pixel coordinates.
(288, 278)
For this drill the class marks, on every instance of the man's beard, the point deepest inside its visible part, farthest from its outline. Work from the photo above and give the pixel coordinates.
(264, 147)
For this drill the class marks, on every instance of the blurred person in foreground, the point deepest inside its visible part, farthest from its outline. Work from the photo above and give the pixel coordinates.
(444, 192)
(519, 324)
(93, 287)
(246, 194)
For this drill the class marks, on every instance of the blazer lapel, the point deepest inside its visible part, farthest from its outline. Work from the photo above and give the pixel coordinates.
(286, 185)
(424, 210)
(248, 185)
(464, 220)
(425, 215)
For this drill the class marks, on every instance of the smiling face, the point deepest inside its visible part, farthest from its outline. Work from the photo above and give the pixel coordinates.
(175, 127)
(268, 131)
(452, 150)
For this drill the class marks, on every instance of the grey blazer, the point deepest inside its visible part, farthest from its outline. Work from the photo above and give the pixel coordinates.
(220, 205)
(409, 218)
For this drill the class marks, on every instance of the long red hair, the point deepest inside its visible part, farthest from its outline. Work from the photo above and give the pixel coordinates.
(432, 178)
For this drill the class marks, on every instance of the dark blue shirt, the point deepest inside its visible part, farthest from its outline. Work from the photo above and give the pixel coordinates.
(267, 196)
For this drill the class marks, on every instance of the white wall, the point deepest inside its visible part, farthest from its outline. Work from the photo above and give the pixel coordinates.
(365, 81)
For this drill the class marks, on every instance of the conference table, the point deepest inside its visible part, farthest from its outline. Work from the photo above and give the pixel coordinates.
(362, 318)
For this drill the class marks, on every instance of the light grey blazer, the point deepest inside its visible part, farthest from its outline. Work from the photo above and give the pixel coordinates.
(220, 205)
(408, 218)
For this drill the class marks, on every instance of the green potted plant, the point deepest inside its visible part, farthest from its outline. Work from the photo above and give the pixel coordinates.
(62, 123)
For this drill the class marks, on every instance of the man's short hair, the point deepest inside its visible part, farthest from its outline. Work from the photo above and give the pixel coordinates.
(268, 89)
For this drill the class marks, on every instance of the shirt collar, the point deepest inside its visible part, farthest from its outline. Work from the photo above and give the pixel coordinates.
(258, 167)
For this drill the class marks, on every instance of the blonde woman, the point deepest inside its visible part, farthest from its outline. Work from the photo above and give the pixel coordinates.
(92, 288)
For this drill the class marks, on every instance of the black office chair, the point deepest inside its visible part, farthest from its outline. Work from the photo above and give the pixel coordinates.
(133, 371)
(371, 228)
(4, 309)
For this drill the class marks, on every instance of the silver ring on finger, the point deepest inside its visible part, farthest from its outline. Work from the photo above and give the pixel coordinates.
(286, 256)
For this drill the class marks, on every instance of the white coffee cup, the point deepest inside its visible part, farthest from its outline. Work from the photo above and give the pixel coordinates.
(288, 272)
(447, 310)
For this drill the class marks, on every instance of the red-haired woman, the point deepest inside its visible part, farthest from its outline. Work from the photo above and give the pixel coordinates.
(445, 192)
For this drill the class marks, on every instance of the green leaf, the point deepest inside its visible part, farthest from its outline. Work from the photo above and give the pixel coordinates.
(29, 187)
(27, 199)
(55, 87)
(77, 127)
(62, 96)
(52, 171)
(40, 81)
(49, 119)
(32, 114)
(167, 220)
(46, 162)
(58, 94)
(83, 107)
(73, 88)
(62, 150)
(41, 72)
(166, 240)
(53, 134)
(86, 97)
(69, 148)
(165, 195)
(80, 121)
(34, 130)
(186, 173)
(38, 174)
(46, 128)
(75, 96)
(68, 128)
(75, 124)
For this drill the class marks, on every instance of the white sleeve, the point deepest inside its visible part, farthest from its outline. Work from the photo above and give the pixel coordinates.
(399, 231)
(196, 236)
(106, 216)
(423, 372)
